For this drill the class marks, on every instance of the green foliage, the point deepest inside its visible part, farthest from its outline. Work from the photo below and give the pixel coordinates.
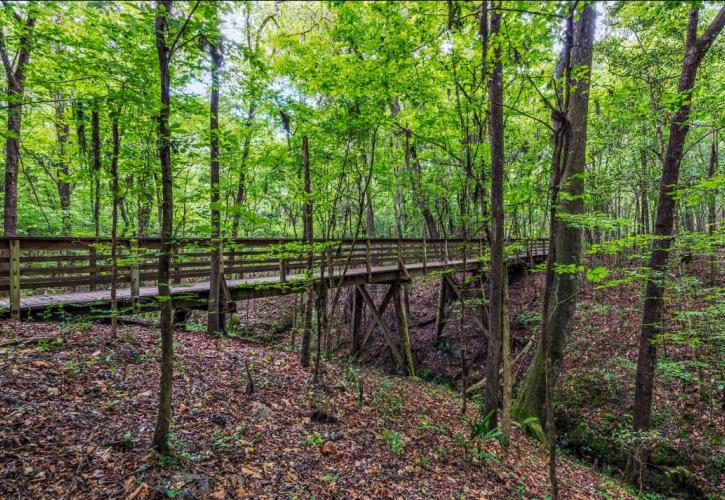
(314, 439)
(395, 440)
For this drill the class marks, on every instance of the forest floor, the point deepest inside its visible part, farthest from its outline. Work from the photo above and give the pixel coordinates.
(78, 412)
(595, 392)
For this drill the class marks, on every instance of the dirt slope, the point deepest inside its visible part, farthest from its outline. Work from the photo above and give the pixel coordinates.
(77, 416)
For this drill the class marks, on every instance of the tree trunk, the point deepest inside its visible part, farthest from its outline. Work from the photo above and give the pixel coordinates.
(560, 301)
(712, 207)
(652, 313)
(215, 301)
(307, 325)
(96, 152)
(241, 183)
(15, 78)
(80, 122)
(114, 219)
(413, 166)
(507, 374)
(369, 216)
(62, 131)
(493, 355)
(163, 420)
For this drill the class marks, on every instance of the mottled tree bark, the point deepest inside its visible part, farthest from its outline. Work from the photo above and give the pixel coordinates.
(115, 192)
(214, 305)
(96, 166)
(307, 323)
(62, 131)
(560, 301)
(163, 420)
(15, 68)
(496, 272)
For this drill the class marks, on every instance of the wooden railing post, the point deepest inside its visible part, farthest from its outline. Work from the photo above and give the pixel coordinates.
(14, 281)
(425, 255)
(135, 275)
(92, 253)
(282, 270)
(368, 260)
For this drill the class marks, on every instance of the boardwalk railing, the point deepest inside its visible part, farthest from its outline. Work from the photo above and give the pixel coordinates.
(33, 265)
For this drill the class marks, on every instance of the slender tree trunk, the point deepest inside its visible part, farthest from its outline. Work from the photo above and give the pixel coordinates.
(242, 182)
(307, 325)
(80, 123)
(369, 216)
(413, 166)
(96, 152)
(653, 310)
(214, 306)
(163, 420)
(712, 207)
(114, 219)
(62, 131)
(493, 355)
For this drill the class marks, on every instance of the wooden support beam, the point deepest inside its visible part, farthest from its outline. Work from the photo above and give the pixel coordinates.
(442, 311)
(357, 310)
(371, 327)
(425, 256)
(383, 327)
(403, 329)
(226, 304)
(14, 279)
(180, 316)
(368, 260)
(92, 253)
(135, 281)
(457, 293)
(282, 270)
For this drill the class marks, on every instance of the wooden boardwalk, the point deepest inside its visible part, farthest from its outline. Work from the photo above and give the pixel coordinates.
(48, 284)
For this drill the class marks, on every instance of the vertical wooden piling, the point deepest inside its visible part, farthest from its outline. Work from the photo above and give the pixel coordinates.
(135, 276)
(14, 281)
(357, 309)
(404, 331)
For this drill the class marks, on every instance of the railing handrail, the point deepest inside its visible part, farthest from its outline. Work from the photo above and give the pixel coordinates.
(90, 240)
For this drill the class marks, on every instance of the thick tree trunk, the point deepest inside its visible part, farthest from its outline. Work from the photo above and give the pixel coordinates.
(15, 78)
(496, 273)
(215, 301)
(652, 313)
(506, 368)
(163, 420)
(566, 237)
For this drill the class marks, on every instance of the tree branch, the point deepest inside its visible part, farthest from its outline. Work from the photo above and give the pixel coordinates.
(703, 43)
(173, 47)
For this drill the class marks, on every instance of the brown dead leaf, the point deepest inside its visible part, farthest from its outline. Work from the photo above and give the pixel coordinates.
(251, 471)
(141, 490)
(219, 494)
(329, 448)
